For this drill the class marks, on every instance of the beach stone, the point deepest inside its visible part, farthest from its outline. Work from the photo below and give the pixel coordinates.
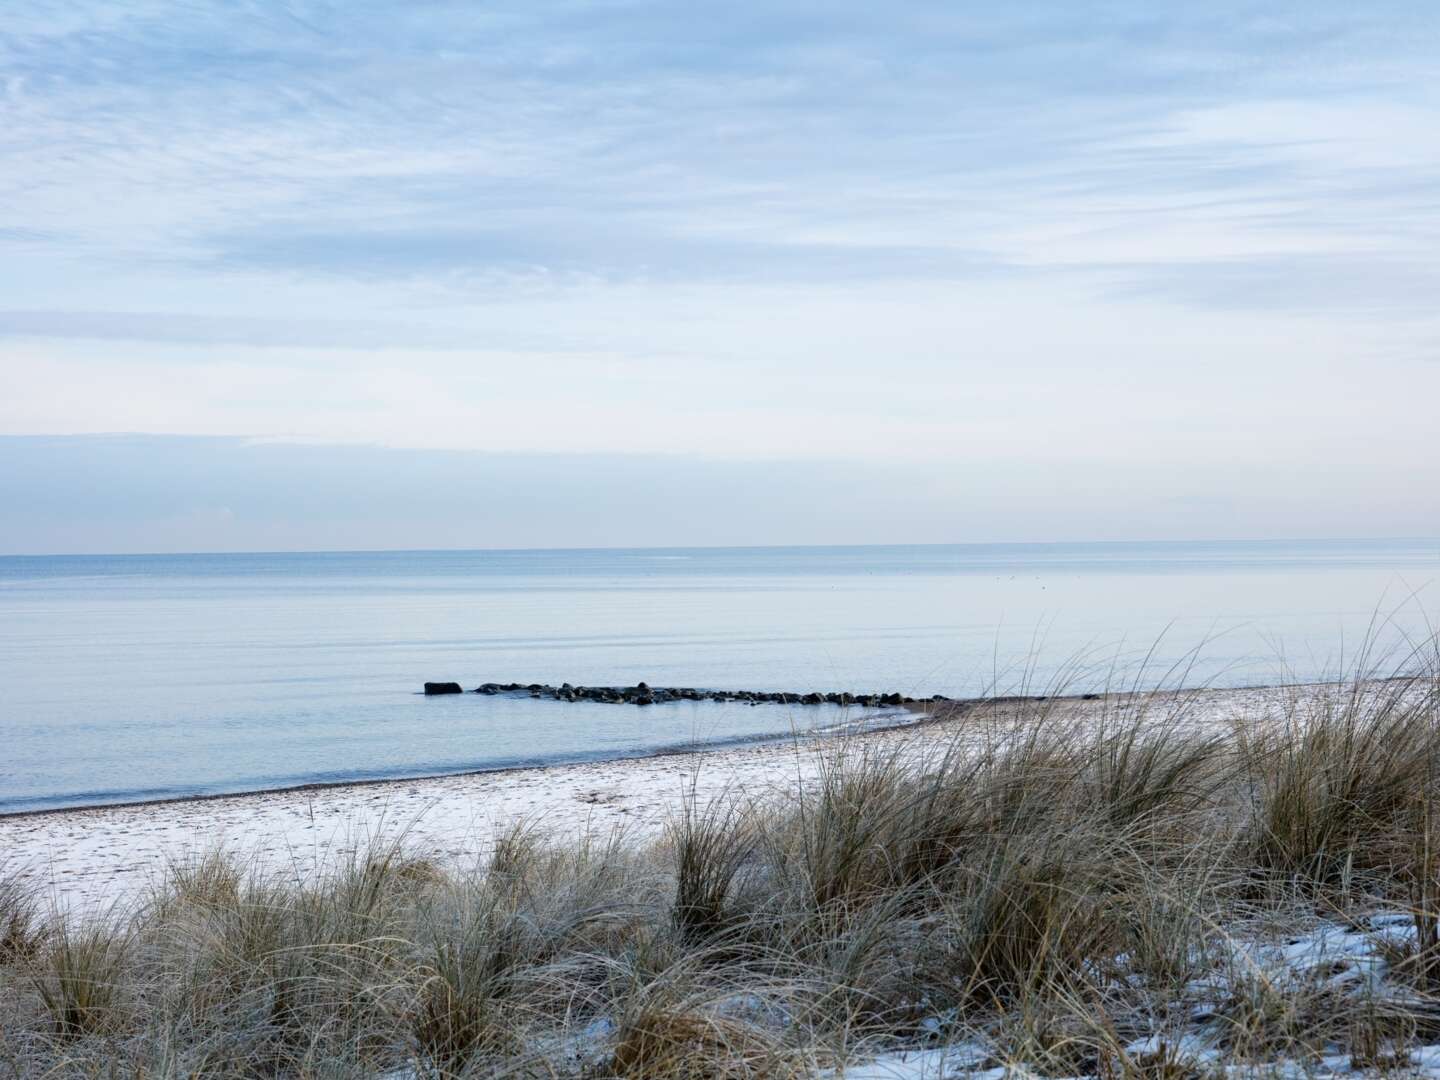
(644, 699)
(433, 688)
(811, 699)
(488, 688)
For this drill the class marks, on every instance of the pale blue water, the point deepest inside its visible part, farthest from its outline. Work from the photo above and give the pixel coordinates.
(146, 677)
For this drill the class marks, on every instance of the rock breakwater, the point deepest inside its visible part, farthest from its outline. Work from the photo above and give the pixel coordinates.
(644, 694)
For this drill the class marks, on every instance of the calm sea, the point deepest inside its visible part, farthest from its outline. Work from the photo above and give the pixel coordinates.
(149, 677)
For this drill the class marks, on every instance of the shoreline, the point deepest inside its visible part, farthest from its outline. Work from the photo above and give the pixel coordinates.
(715, 746)
(89, 859)
(922, 712)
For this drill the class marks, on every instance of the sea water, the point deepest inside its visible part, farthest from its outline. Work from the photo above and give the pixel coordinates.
(126, 678)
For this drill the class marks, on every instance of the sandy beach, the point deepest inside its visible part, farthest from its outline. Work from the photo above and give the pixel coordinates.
(91, 858)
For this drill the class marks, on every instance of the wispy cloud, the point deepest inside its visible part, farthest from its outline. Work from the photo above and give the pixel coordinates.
(925, 231)
(639, 141)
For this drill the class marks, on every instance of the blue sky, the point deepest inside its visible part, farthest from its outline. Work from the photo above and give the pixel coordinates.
(1022, 271)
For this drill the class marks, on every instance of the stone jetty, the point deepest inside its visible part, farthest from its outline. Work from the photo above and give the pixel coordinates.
(644, 694)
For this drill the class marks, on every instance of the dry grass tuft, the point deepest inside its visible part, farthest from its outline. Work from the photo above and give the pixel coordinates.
(677, 1024)
(80, 978)
(22, 932)
(711, 845)
(1341, 786)
(688, 1046)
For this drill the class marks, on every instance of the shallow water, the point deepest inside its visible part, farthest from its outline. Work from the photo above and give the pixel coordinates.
(137, 677)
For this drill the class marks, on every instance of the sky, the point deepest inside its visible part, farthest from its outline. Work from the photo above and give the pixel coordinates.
(364, 275)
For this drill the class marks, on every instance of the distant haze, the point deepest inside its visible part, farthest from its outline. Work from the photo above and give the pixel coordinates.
(373, 275)
(168, 493)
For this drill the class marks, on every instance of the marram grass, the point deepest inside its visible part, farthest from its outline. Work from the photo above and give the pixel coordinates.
(1047, 893)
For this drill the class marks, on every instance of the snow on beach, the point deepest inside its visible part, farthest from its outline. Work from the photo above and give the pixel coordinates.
(1343, 958)
(88, 859)
(93, 857)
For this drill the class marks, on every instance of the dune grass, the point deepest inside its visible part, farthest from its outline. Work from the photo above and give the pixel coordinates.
(1112, 897)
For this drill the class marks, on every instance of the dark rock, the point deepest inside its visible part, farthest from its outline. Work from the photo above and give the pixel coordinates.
(642, 693)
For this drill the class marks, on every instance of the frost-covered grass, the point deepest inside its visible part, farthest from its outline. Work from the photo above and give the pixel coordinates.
(1133, 896)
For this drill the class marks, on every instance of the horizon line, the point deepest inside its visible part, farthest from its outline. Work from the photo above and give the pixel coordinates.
(724, 547)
